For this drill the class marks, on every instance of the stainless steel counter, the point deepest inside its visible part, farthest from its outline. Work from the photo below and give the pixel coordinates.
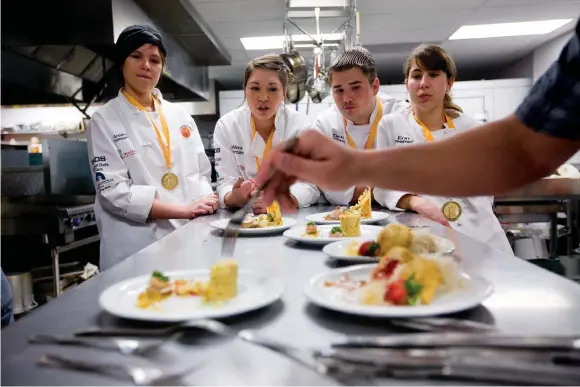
(527, 299)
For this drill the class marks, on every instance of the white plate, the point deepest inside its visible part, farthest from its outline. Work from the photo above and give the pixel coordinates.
(476, 290)
(367, 232)
(254, 291)
(337, 250)
(221, 224)
(319, 218)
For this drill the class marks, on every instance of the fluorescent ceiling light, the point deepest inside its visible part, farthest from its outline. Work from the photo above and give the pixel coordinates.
(319, 3)
(508, 29)
(276, 42)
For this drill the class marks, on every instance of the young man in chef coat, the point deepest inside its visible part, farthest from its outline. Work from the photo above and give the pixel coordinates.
(359, 106)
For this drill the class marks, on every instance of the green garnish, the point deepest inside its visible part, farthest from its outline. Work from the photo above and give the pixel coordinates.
(160, 276)
(413, 289)
(311, 223)
(336, 229)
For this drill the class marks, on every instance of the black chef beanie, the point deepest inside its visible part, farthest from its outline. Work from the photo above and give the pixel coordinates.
(134, 37)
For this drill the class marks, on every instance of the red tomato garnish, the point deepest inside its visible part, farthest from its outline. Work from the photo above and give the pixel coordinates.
(396, 293)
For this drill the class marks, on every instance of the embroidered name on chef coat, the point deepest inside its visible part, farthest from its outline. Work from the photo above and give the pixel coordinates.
(237, 149)
(404, 140)
(338, 137)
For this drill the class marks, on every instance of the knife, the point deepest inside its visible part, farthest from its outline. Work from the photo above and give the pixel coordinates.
(462, 339)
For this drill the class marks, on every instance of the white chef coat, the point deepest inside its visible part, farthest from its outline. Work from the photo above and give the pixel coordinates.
(127, 165)
(331, 123)
(236, 151)
(477, 219)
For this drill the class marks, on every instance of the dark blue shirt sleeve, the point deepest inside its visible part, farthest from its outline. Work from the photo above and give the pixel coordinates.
(553, 104)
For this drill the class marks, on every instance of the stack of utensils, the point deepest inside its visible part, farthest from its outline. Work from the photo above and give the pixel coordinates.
(444, 348)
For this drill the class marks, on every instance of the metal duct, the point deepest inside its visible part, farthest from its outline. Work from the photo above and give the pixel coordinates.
(71, 42)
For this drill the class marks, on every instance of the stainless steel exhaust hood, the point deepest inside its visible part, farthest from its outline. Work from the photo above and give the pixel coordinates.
(51, 49)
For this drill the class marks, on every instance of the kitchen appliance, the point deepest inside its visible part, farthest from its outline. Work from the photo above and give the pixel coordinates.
(22, 294)
(60, 210)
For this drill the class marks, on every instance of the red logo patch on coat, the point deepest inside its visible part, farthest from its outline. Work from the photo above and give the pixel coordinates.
(185, 131)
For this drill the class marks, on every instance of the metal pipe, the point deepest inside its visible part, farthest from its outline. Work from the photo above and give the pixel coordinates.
(301, 29)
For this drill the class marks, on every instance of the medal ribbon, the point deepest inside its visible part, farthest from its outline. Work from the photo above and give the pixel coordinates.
(166, 148)
(268, 143)
(427, 133)
(372, 134)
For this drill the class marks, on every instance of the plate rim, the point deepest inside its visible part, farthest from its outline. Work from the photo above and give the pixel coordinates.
(314, 241)
(347, 258)
(489, 290)
(272, 297)
(257, 231)
(327, 222)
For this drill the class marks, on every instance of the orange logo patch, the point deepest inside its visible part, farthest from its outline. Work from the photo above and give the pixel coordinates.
(185, 131)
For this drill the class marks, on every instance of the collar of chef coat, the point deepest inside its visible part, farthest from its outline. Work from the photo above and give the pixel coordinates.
(156, 92)
(349, 123)
(258, 145)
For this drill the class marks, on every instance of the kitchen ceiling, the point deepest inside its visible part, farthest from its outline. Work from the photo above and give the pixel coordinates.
(390, 29)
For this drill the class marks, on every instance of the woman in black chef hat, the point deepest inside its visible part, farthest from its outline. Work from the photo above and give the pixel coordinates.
(149, 165)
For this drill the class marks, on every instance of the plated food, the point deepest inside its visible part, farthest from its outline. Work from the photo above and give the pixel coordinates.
(272, 218)
(321, 235)
(220, 291)
(221, 287)
(363, 207)
(400, 235)
(269, 223)
(402, 284)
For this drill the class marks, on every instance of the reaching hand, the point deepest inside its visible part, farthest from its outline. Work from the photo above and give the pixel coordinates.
(429, 210)
(259, 206)
(316, 159)
(240, 193)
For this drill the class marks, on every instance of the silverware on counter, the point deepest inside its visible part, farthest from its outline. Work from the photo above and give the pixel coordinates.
(124, 346)
(442, 324)
(233, 227)
(462, 339)
(402, 356)
(140, 376)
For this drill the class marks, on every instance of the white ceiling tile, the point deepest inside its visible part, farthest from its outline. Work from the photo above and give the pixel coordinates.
(415, 6)
(506, 14)
(236, 11)
(390, 28)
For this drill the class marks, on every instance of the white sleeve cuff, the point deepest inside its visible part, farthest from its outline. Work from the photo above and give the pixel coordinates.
(340, 198)
(140, 202)
(389, 198)
(304, 194)
(222, 191)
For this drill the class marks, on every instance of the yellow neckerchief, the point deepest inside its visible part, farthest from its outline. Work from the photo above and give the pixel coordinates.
(372, 134)
(268, 143)
(427, 133)
(165, 147)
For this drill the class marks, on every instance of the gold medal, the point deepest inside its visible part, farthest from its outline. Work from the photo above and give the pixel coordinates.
(169, 181)
(451, 210)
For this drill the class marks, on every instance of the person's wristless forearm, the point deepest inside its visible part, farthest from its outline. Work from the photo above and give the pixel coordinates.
(161, 210)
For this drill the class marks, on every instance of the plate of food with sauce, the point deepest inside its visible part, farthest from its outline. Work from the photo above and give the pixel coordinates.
(348, 229)
(363, 207)
(268, 223)
(418, 241)
(401, 284)
(176, 296)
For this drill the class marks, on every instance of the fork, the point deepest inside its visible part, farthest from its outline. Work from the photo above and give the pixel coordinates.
(140, 376)
(233, 227)
(434, 324)
(126, 347)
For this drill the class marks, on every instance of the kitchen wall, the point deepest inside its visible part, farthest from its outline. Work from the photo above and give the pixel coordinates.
(546, 54)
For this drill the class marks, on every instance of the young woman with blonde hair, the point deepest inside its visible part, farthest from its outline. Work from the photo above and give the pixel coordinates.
(244, 136)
